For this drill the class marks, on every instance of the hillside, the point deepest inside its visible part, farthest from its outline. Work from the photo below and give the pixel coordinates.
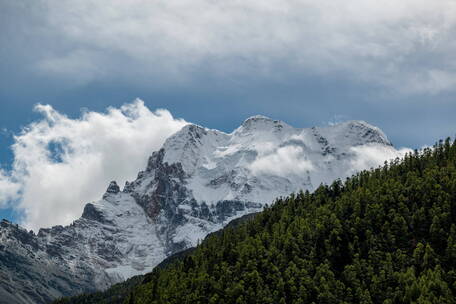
(383, 236)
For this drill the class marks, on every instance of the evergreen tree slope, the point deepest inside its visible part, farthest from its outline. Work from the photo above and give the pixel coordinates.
(383, 236)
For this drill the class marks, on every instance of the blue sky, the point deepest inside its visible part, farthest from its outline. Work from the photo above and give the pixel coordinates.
(212, 63)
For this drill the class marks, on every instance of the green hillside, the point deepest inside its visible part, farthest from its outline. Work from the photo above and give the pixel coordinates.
(383, 236)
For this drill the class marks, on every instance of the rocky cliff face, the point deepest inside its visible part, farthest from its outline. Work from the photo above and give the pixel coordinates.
(34, 272)
(199, 181)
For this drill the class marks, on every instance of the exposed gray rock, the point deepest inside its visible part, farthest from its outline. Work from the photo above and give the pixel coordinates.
(33, 273)
(113, 188)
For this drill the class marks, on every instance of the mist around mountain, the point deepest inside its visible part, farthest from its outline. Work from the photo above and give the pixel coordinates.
(386, 235)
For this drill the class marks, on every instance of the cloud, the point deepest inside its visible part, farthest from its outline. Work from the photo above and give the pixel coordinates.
(62, 163)
(295, 163)
(373, 155)
(282, 161)
(407, 46)
(9, 190)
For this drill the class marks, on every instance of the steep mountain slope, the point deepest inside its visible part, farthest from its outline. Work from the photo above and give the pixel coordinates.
(384, 236)
(117, 293)
(30, 274)
(199, 181)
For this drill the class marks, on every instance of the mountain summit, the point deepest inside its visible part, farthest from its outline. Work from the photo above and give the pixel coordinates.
(195, 184)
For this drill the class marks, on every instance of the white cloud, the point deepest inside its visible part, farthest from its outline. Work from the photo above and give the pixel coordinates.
(407, 45)
(283, 162)
(373, 155)
(295, 163)
(62, 163)
(9, 190)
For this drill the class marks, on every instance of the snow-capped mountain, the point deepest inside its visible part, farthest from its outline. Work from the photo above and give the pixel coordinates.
(195, 184)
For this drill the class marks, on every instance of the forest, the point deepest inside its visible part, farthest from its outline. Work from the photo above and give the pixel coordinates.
(387, 235)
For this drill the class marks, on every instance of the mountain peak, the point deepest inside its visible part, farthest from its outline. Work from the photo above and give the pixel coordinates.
(261, 123)
(258, 119)
(354, 133)
(193, 129)
(190, 132)
(360, 123)
(367, 132)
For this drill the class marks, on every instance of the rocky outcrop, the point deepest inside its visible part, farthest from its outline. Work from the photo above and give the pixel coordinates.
(31, 272)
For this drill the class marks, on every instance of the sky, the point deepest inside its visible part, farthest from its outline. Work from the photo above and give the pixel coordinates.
(71, 73)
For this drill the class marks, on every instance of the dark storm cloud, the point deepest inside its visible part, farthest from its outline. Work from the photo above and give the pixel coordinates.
(406, 46)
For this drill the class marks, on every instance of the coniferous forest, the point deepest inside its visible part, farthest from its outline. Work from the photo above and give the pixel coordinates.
(382, 236)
